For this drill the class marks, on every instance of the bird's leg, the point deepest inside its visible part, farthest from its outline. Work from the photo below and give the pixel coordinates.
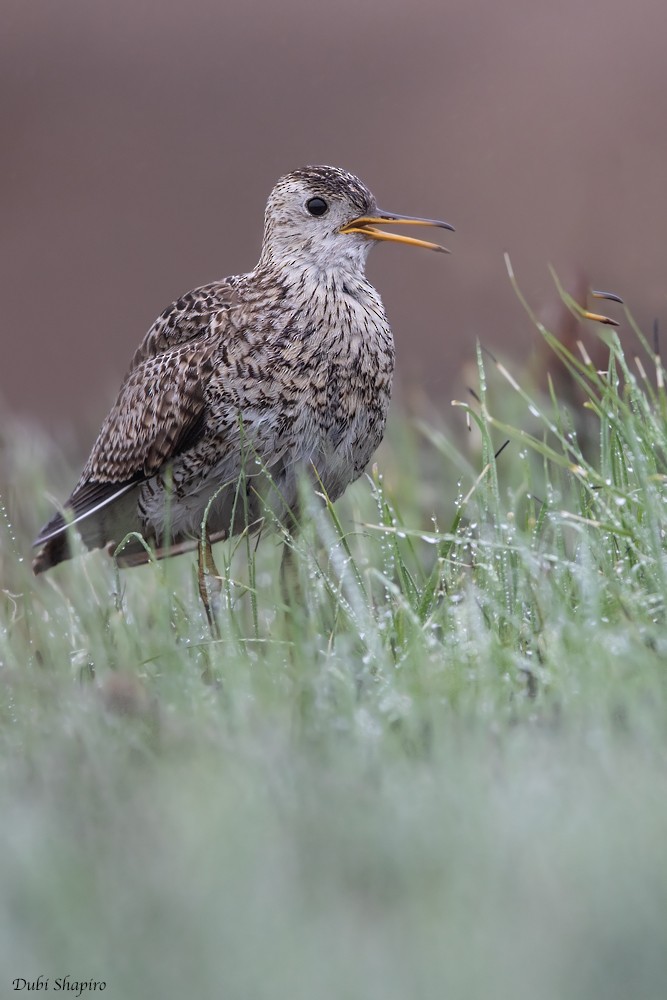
(290, 586)
(210, 582)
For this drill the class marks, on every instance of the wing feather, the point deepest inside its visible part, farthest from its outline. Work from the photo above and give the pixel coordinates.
(160, 410)
(188, 318)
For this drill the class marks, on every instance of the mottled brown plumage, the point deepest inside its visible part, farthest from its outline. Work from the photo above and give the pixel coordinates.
(242, 384)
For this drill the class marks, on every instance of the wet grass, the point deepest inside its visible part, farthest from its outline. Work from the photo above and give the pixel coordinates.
(438, 770)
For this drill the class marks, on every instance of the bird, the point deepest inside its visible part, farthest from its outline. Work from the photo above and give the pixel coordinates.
(242, 385)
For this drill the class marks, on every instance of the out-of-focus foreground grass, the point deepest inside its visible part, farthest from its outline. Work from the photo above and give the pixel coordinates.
(439, 772)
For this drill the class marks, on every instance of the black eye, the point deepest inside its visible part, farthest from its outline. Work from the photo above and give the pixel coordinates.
(317, 206)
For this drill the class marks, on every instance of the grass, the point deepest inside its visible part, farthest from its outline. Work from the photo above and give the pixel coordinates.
(440, 772)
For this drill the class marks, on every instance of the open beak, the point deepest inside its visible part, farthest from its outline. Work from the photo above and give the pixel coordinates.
(366, 224)
(598, 317)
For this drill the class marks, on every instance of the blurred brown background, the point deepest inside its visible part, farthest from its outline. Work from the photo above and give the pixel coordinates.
(139, 140)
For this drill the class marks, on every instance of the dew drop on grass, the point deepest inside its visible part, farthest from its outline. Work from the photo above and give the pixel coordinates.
(9, 528)
(533, 410)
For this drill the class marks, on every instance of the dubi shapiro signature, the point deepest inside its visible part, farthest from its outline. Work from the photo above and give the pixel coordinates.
(76, 986)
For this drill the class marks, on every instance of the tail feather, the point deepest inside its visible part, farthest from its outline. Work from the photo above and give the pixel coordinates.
(93, 509)
(58, 549)
(55, 551)
(84, 502)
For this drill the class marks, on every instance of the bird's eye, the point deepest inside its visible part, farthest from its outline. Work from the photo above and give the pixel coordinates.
(317, 206)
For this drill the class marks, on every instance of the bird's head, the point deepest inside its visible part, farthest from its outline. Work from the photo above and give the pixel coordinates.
(324, 218)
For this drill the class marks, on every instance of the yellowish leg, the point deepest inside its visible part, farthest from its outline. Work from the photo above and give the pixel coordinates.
(290, 584)
(210, 583)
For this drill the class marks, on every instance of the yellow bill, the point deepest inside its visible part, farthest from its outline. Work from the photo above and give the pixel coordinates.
(366, 226)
